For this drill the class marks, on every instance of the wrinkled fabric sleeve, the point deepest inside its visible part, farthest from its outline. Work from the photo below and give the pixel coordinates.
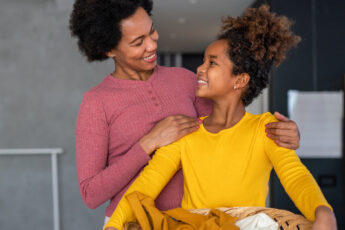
(296, 179)
(99, 182)
(164, 164)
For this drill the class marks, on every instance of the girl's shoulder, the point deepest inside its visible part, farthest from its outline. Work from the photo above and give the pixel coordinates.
(263, 117)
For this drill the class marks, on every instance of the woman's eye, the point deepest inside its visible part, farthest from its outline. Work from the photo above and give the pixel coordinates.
(212, 63)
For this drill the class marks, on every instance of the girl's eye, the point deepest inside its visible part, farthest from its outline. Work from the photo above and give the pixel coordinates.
(153, 30)
(139, 44)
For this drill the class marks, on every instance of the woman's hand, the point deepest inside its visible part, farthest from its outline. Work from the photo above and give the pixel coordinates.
(324, 219)
(284, 133)
(168, 131)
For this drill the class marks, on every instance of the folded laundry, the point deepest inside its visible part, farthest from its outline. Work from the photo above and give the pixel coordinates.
(259, 221)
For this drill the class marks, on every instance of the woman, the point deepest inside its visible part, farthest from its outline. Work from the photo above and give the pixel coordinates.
(227, 162)
(137, 108)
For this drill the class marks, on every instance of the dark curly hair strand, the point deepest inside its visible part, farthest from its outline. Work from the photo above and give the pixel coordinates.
(96, 24)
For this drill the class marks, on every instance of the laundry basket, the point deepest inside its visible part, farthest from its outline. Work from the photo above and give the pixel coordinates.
(285, 219)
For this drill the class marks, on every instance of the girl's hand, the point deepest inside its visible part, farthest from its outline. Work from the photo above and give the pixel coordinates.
(168, 131)
(324, 219)
(284, 133)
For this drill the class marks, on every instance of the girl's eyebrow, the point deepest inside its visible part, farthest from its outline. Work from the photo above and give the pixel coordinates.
(213, 56)
(140, 37)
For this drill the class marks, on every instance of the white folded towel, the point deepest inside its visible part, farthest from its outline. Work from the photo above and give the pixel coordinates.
(259, 221)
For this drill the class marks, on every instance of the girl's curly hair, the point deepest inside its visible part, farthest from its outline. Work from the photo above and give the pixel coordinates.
(257, 40)
(96, 24)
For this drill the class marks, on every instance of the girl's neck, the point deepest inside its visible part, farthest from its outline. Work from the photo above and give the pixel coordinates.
(224, 115)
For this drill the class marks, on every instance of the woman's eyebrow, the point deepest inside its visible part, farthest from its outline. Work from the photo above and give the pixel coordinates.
(140, 37)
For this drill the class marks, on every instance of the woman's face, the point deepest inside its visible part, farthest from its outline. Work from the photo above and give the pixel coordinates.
(215, 78)
(137, 48)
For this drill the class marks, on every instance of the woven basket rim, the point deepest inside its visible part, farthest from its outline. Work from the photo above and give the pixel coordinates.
(285, 219)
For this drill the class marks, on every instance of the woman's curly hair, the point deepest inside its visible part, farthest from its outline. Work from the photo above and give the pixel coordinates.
(256, 41)
(96, 24)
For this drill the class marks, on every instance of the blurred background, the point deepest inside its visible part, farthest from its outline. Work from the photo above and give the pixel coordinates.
(43, 77)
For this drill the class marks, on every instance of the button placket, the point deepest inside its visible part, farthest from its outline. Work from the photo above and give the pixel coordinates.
(152, 96)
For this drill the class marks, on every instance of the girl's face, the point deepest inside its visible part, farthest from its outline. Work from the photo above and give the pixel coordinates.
(137, 48)
(215, 78)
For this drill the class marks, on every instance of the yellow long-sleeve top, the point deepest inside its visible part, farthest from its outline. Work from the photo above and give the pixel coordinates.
(226, 169)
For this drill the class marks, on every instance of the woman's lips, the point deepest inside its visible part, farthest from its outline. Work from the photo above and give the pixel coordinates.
(151, 58)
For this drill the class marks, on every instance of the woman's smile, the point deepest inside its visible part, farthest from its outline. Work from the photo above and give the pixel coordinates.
(151, 58)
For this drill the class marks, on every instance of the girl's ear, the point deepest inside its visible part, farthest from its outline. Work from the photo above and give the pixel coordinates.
(242, 80)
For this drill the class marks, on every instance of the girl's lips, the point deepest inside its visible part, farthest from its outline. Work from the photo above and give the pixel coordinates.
(151, 58)
(202, 82)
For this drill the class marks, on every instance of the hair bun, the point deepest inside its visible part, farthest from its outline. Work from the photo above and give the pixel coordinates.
(269, 36)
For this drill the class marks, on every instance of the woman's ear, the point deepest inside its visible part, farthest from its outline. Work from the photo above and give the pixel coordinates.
(111, 54)
(242, 80)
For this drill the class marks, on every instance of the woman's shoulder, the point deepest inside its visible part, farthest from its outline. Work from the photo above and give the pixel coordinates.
(94, 95)
(97, 91)
(100, 87)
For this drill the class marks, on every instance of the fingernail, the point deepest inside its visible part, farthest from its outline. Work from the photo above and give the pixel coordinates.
(200, 121)
(266, 125)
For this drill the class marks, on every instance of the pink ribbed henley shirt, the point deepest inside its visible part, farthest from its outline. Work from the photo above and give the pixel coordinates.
(112, 118)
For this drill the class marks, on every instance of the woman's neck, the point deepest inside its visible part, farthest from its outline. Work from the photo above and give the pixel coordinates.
(224, 115)
(130, 74)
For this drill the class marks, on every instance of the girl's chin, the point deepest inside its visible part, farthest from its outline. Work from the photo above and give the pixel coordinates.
(200, 94)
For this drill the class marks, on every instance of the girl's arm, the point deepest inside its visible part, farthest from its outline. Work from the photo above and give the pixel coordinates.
(164, 164)
(295, 178)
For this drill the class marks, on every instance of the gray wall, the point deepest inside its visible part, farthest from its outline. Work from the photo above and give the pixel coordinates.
(42, 80)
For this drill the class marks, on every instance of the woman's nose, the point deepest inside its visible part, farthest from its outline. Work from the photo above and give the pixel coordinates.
(152, 43)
